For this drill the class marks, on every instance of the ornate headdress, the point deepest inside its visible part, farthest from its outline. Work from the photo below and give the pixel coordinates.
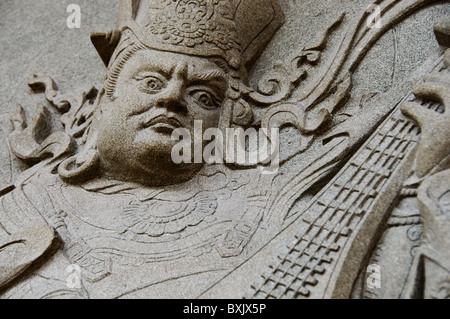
(235, 30)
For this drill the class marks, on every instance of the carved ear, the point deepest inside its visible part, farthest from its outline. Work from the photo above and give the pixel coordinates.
(242, 113)
(105, 44)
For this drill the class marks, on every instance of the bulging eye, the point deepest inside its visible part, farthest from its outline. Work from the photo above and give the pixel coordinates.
(151, 84)
(154, 84)
(205, 99)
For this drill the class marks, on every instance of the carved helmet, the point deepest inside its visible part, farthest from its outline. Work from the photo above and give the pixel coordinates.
(235, 30)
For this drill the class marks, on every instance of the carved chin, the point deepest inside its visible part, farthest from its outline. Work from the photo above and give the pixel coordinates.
(145, 163)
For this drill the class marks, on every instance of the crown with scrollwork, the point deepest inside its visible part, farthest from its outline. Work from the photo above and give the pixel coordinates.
(235, 30)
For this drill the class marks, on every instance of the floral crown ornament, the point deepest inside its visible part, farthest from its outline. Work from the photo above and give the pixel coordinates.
(235, 30)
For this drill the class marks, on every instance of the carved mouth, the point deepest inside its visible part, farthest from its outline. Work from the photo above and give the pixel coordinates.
(163, 124)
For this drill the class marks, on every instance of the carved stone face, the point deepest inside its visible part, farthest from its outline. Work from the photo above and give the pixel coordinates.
(156, 93)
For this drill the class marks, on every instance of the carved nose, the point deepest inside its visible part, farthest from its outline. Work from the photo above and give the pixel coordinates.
(173, 98)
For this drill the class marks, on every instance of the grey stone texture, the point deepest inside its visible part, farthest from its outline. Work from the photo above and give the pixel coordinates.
(356, 204)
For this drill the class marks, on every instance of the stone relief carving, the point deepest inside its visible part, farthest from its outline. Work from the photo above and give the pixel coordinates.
(354, 185)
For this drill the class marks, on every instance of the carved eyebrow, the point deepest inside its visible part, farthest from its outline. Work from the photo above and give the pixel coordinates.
(214, 77)
(208, 76)
(153, 67)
